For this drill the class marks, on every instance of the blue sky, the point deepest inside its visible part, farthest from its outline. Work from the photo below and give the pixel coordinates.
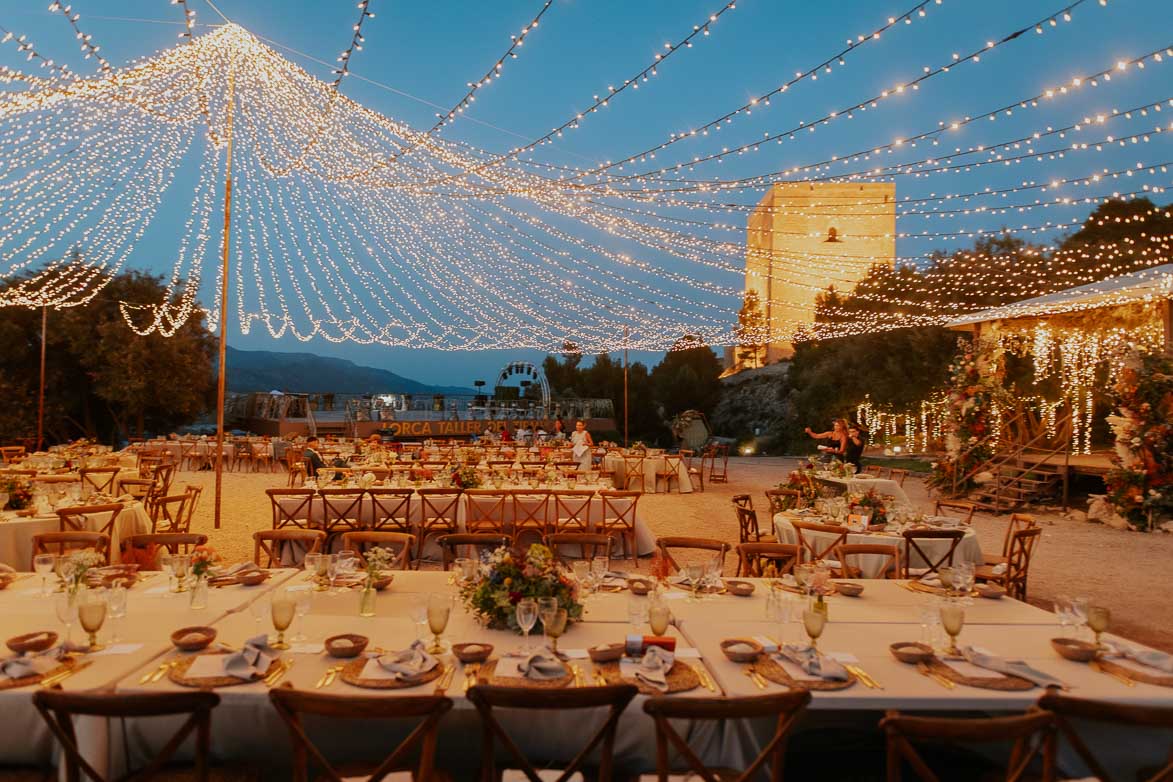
(430, 50)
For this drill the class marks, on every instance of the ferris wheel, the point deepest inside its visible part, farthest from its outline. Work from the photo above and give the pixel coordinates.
(524, 372)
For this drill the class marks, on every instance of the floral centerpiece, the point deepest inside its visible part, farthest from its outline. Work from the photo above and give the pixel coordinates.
(76, 565)
(466, 477)
(203, 559)
(1140, 484)
(19, 494)
(379, 560)
(802, 482)
(841, 469)
(872, 503)
(509, 576)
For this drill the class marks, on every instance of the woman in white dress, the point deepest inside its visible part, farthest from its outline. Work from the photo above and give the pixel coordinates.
(583, 444)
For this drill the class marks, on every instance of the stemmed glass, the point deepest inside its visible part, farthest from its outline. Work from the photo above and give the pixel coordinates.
(599, 567)
(1098, 618)
(779, 607)
(1079, 610)
(419, 614)
(694, 574)
(953, 619)
(116, 605)
(814, 622)
(179, 564)
(44, 564)
(439, 609)
(303, 602)
(554, 624)
(332, 571)
(66, 611)
(582, 574)
(527, 617)
(91, 612)
(547, 606)
(1062, 607)
(281, 609)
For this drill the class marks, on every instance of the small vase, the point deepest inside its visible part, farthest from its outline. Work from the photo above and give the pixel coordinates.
(366, 600)
(199, 594)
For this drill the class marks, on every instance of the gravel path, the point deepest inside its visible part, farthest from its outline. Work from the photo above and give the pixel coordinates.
(1123, 570)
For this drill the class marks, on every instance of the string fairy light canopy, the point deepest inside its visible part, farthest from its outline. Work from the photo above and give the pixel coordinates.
(358, 227)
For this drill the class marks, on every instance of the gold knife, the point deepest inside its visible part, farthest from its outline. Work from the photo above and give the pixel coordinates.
(938, 678)
(1096, 666)
(163, 671)
(279, 674)
(146, 677)
(445, 680)
(63, 675)
(703, 675)
(865, 677)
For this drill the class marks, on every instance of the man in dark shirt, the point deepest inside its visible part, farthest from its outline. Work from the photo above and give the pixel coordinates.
(313, 459)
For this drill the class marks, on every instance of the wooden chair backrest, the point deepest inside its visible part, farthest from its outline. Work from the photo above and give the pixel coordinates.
(295, 511)
(911, 545)
(58, 708)
(666, 545)
(618, 514)
(392, 509)
(572, 510)
(61, 543)
(742, 501)
(531, 511)
(1098, 713)
(1024, 731)
(898, 474)
(169, 514)
(362, 541)
(1018, 521)
(812, 549)
(1022, 544)
(477, 541)
(747, 524)
(874, 469)
(342, 509)
(599, 749)
(589, 544)
(99, 479)
(485, 509)
(753, 557)
(75, 520)
(783, 499)
(268, 542)
(193, 500)
(174, 542)
(426, 710)
(784, 707)
(846, 551)
(719, 464)
(962, 507)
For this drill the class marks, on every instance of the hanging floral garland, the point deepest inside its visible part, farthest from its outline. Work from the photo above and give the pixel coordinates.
(1140, 486)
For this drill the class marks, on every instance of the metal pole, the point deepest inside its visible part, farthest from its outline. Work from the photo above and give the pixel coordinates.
(41, 393)
(224, 302)
(625, 332)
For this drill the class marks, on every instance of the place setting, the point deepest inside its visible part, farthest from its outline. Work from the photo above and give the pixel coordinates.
(1127, 663)
(37, 660)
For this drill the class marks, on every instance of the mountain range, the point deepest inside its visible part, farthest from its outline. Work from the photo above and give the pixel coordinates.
(265, 370)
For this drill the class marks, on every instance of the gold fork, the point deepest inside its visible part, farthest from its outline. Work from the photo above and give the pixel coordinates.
(1096, 666)
(938, 678)
(703, 675)
(163, 671)
(865, 677)
(63, 675)
(146, 677)
(328, 677)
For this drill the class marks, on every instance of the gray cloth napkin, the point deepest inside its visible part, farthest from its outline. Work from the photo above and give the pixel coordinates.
(542, 665)
(1010, 667)
(654, 667)
(813, 663)
(232, 570)
(19, 667)
(252, 660)
(1148, 657)
(409, 663)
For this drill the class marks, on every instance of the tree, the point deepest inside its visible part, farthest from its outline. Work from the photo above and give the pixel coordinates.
(688, 378)
(752, 334)
(103, 379)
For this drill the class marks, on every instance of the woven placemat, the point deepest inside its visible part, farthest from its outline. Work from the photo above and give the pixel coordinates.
(831, 590)
(352, 674)
(37, 678)
(177, 673)
(486, 676)
(768, 667)
(1003, 682)
(681, 678)
(1159, 679)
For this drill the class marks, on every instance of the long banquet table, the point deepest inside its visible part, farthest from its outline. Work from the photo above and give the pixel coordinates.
(246, 728)
(16, 532)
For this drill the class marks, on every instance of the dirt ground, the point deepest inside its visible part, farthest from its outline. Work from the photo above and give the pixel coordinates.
(1124, 570)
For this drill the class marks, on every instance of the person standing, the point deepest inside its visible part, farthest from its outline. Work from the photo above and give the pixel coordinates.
(837, 436)
(583, 444)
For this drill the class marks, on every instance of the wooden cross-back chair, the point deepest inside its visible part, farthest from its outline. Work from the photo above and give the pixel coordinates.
(531, 513)
(784, 708)
(168, 514)
(962, 507)
(589, 545)
(781, 500)
(669, 472)
(485, 509)
(58, 708)
(295, 466)
(742, 501)
(912, 547)
(1018, 521)
(747, 526)
(291, 507)
(399, 543)
(600, 747)
(1031, 735)
(1094, 715)
(391, 510)
(425, 710)
(618, 519)
(899, 475)
(874, 469)
(62, 543)
(667, 545)
(193, 500)
(76, 519)
(696, 475)
(752, 558)
(811, 548)
(438, 515)
(847, 552)
(268, 543)
(11, 454)
(1013, 579)
(633, 470)
(719, 464)
(478, 542)
(572, 510)
(98, 479)
(173, 542)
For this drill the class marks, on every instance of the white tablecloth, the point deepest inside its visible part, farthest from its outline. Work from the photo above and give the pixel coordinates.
(872, 565)
(616, 464)
(16, 533)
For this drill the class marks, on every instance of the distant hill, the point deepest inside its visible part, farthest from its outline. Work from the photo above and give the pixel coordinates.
(264, 370)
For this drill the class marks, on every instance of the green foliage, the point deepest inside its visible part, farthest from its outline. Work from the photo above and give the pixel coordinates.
(1140, 484)
(752, 332)
(102, 379)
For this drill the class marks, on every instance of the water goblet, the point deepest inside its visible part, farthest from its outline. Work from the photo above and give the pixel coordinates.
(599, 567)
(945, 573)
(953, 619)
(582, 572)
(281, 610)
(527, 617)
(555, 626)
(1079, 611)
(1062, 608)
(814, 621)
(179, 566)
(333, 570)
(418, 609)
(468, 570)
(311, 566)
(44, 564)
(439, 609)
(1098, 618)
(66, 611)
(694, 574)
(116, 603)
(303, 602)
(91, 613)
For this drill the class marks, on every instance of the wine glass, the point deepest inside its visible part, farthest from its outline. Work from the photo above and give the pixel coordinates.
(439, 609)
(814, 621)
(599, 567)
(1098, 618)
(1079, 610)
(1062, 608)
(66, 611)
(953, 619)
(694, 574)
(303, 602)
(582, 572)
(945, 573)
(555, 626)
(179, 565)
(91, 613)
(333, 568)
(116, 606)
(527, 617)
(779, 607)
(44, 564)
(310, 564)
(659, 617)
(282, 609)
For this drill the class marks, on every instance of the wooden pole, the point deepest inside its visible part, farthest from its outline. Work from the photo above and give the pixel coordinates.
(220, 380)
(625, 333)
(41, 393)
